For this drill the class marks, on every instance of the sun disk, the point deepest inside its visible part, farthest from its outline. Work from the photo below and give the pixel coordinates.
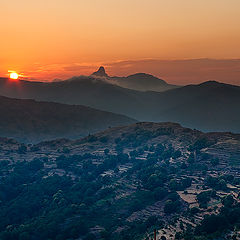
(14, 75)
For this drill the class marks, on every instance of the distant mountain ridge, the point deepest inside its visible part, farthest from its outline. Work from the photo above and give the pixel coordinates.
(88, 91)
(143, 82)
(209, 106)
(32, 121)
(138, 81)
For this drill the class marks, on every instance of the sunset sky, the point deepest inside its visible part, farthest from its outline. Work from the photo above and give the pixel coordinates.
(47, 39)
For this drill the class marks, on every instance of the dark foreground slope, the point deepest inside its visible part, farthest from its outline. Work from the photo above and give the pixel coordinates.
(29, 120)
(210, 106)
(121, 184)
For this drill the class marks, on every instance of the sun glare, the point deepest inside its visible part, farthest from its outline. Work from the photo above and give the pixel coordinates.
(13, 75)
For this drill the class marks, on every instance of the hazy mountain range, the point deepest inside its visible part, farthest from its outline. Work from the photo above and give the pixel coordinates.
(210, 106)
(138, 81)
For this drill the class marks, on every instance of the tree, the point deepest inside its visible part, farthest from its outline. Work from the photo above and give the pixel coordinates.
(171, 207)
(228, 201)
(160, 193)
(203, 197)
(22, 149)
(177, 154)
(90, 236)
(214, 161)
(211, 224)
(106, 151)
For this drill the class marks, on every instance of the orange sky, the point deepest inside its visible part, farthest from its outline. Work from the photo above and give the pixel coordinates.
(43, 39)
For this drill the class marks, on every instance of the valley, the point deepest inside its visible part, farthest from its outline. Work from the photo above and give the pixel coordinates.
(140, 177)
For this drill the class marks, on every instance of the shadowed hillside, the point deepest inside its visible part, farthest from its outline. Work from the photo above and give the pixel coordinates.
(121, 184)
(210, 106)
(29, 120)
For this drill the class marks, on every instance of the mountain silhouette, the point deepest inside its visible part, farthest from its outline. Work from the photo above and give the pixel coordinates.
(143, 82)
(210, 106)
(100, 72)
(138, 81)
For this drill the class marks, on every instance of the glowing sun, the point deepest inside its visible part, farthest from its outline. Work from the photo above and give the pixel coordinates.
(14, 75)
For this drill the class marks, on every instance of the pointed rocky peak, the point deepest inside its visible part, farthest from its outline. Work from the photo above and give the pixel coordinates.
(100, 72)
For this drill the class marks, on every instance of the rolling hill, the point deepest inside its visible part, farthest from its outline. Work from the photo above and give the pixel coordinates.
(82, 90)
(210, 106)
(29, 120)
